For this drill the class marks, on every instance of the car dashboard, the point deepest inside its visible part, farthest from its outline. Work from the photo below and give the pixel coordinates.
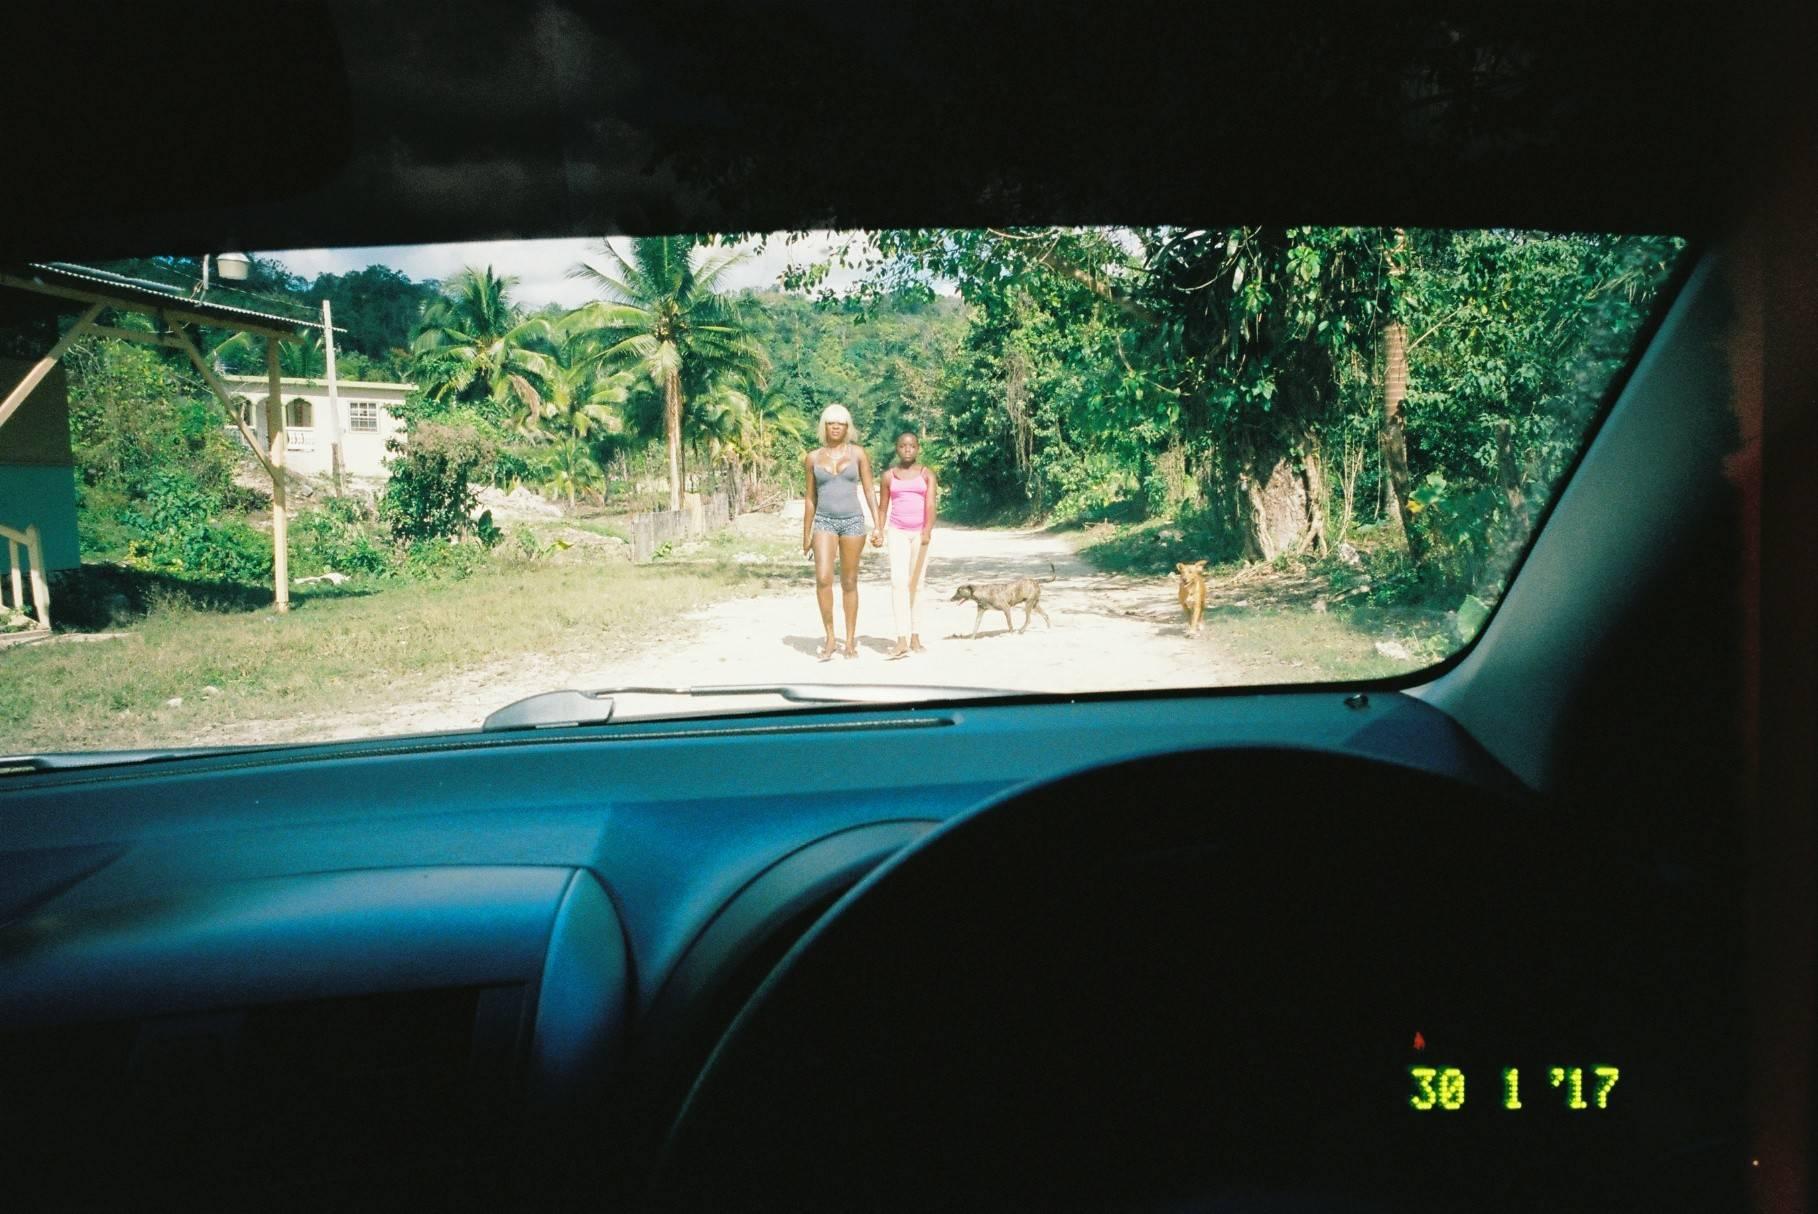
(467, 971)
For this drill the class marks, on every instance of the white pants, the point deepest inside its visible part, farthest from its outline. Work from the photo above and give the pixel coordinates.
(905, 548)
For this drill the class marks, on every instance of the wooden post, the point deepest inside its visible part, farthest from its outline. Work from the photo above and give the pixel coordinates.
(334, 399)
(12, 563)
(35, 376)
(40, 585)
(280, 527)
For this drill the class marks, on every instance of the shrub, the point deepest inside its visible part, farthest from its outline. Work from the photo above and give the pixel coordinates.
(177, 529)
(340, 536)
(434, 559)
(430, 494)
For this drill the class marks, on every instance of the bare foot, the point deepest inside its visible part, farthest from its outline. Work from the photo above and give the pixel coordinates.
(852, 649)
(900, 651)
(916, 646)
(826, 651)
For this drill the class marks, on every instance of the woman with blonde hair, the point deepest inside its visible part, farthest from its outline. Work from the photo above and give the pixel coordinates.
(834, 521)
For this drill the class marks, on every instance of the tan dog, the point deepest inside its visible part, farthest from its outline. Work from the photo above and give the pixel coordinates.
(1192, 593)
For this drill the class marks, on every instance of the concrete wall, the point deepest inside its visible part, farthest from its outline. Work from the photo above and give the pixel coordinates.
(37, 476)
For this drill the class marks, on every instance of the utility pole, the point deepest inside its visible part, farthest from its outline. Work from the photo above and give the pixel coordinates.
(334, 399)
(280, 522)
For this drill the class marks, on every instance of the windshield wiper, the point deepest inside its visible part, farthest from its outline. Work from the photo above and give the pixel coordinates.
(548, 709)
(18, 765)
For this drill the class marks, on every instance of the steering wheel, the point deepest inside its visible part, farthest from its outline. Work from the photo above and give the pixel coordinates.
(1184, 982)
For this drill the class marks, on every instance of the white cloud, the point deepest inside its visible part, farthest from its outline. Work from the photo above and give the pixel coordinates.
(541, 266)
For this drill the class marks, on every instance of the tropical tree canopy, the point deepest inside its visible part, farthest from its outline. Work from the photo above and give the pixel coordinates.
(475, 343)
(664, 315)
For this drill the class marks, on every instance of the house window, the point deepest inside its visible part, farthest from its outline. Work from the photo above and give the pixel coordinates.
(299, 413)
(363, 415)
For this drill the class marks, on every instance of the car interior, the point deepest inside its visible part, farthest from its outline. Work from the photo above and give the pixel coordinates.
(1211, 950)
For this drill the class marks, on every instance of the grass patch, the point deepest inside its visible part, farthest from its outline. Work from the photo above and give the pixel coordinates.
(774, 555)
(1298, 619)
(1147, 546)
(1297, 644)
(617, 527)
(335, 650)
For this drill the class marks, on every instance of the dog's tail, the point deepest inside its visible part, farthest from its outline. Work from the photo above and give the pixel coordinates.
(1051, 574)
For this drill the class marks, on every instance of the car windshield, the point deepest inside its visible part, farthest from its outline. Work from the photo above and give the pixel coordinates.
(301, 495)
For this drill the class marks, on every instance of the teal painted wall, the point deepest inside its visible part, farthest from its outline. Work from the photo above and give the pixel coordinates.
(34, 493)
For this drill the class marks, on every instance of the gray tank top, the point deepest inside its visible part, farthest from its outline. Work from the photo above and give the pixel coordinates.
(836, 493)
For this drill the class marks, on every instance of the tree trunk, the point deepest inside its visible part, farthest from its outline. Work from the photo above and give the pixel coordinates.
(1394, 431)
(672, 426)
(1313, 473)
(738, 485)
(1276, 514)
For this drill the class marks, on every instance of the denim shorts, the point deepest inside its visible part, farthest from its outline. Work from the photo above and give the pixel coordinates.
(841, 524)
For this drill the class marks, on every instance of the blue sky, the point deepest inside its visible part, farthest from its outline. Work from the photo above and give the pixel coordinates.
(541, 266)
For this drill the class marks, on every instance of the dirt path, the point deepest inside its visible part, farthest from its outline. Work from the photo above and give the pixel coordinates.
(1108, 632)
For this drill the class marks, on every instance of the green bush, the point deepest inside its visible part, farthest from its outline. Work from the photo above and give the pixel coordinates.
(487, 531)
(341, 536)
(1470, 534)
(435, 559)
(430, 494)
(101, 528)
(177, 529)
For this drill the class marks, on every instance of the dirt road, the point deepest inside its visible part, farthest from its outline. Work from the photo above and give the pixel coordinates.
(1108, 632)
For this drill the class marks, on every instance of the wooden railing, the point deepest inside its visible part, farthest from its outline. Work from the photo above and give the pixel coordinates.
(34, 549)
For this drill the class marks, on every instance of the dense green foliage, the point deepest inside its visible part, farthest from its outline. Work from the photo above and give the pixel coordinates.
(1233, 378)
(430, 494)
(178, 528)
(155, 469)
(663, 317)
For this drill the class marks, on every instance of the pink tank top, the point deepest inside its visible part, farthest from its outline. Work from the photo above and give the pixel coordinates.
(908, 500)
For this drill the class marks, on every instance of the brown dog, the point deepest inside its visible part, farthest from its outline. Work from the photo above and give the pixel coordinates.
(1002, 596)
(1192, 593)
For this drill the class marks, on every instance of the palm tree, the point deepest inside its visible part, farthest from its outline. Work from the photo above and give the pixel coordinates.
(474, 335)
(574, 392)
(727, 422)
(778, 421)
(568, 465)
(244, 353)
(662, 317)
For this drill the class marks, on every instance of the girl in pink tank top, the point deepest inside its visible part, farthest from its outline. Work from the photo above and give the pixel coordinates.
(908, 500)
(906, 513)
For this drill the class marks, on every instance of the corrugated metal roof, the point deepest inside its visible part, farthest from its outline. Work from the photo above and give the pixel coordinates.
(156, 294)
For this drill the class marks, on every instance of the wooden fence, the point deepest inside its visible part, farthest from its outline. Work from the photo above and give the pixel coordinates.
(697, 517)
(28, 542)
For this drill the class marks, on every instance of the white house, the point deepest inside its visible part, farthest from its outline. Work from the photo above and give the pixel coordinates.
(368, 418)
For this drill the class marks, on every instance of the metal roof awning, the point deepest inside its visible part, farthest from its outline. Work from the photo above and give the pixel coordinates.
(89, 285)
(176, 307)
